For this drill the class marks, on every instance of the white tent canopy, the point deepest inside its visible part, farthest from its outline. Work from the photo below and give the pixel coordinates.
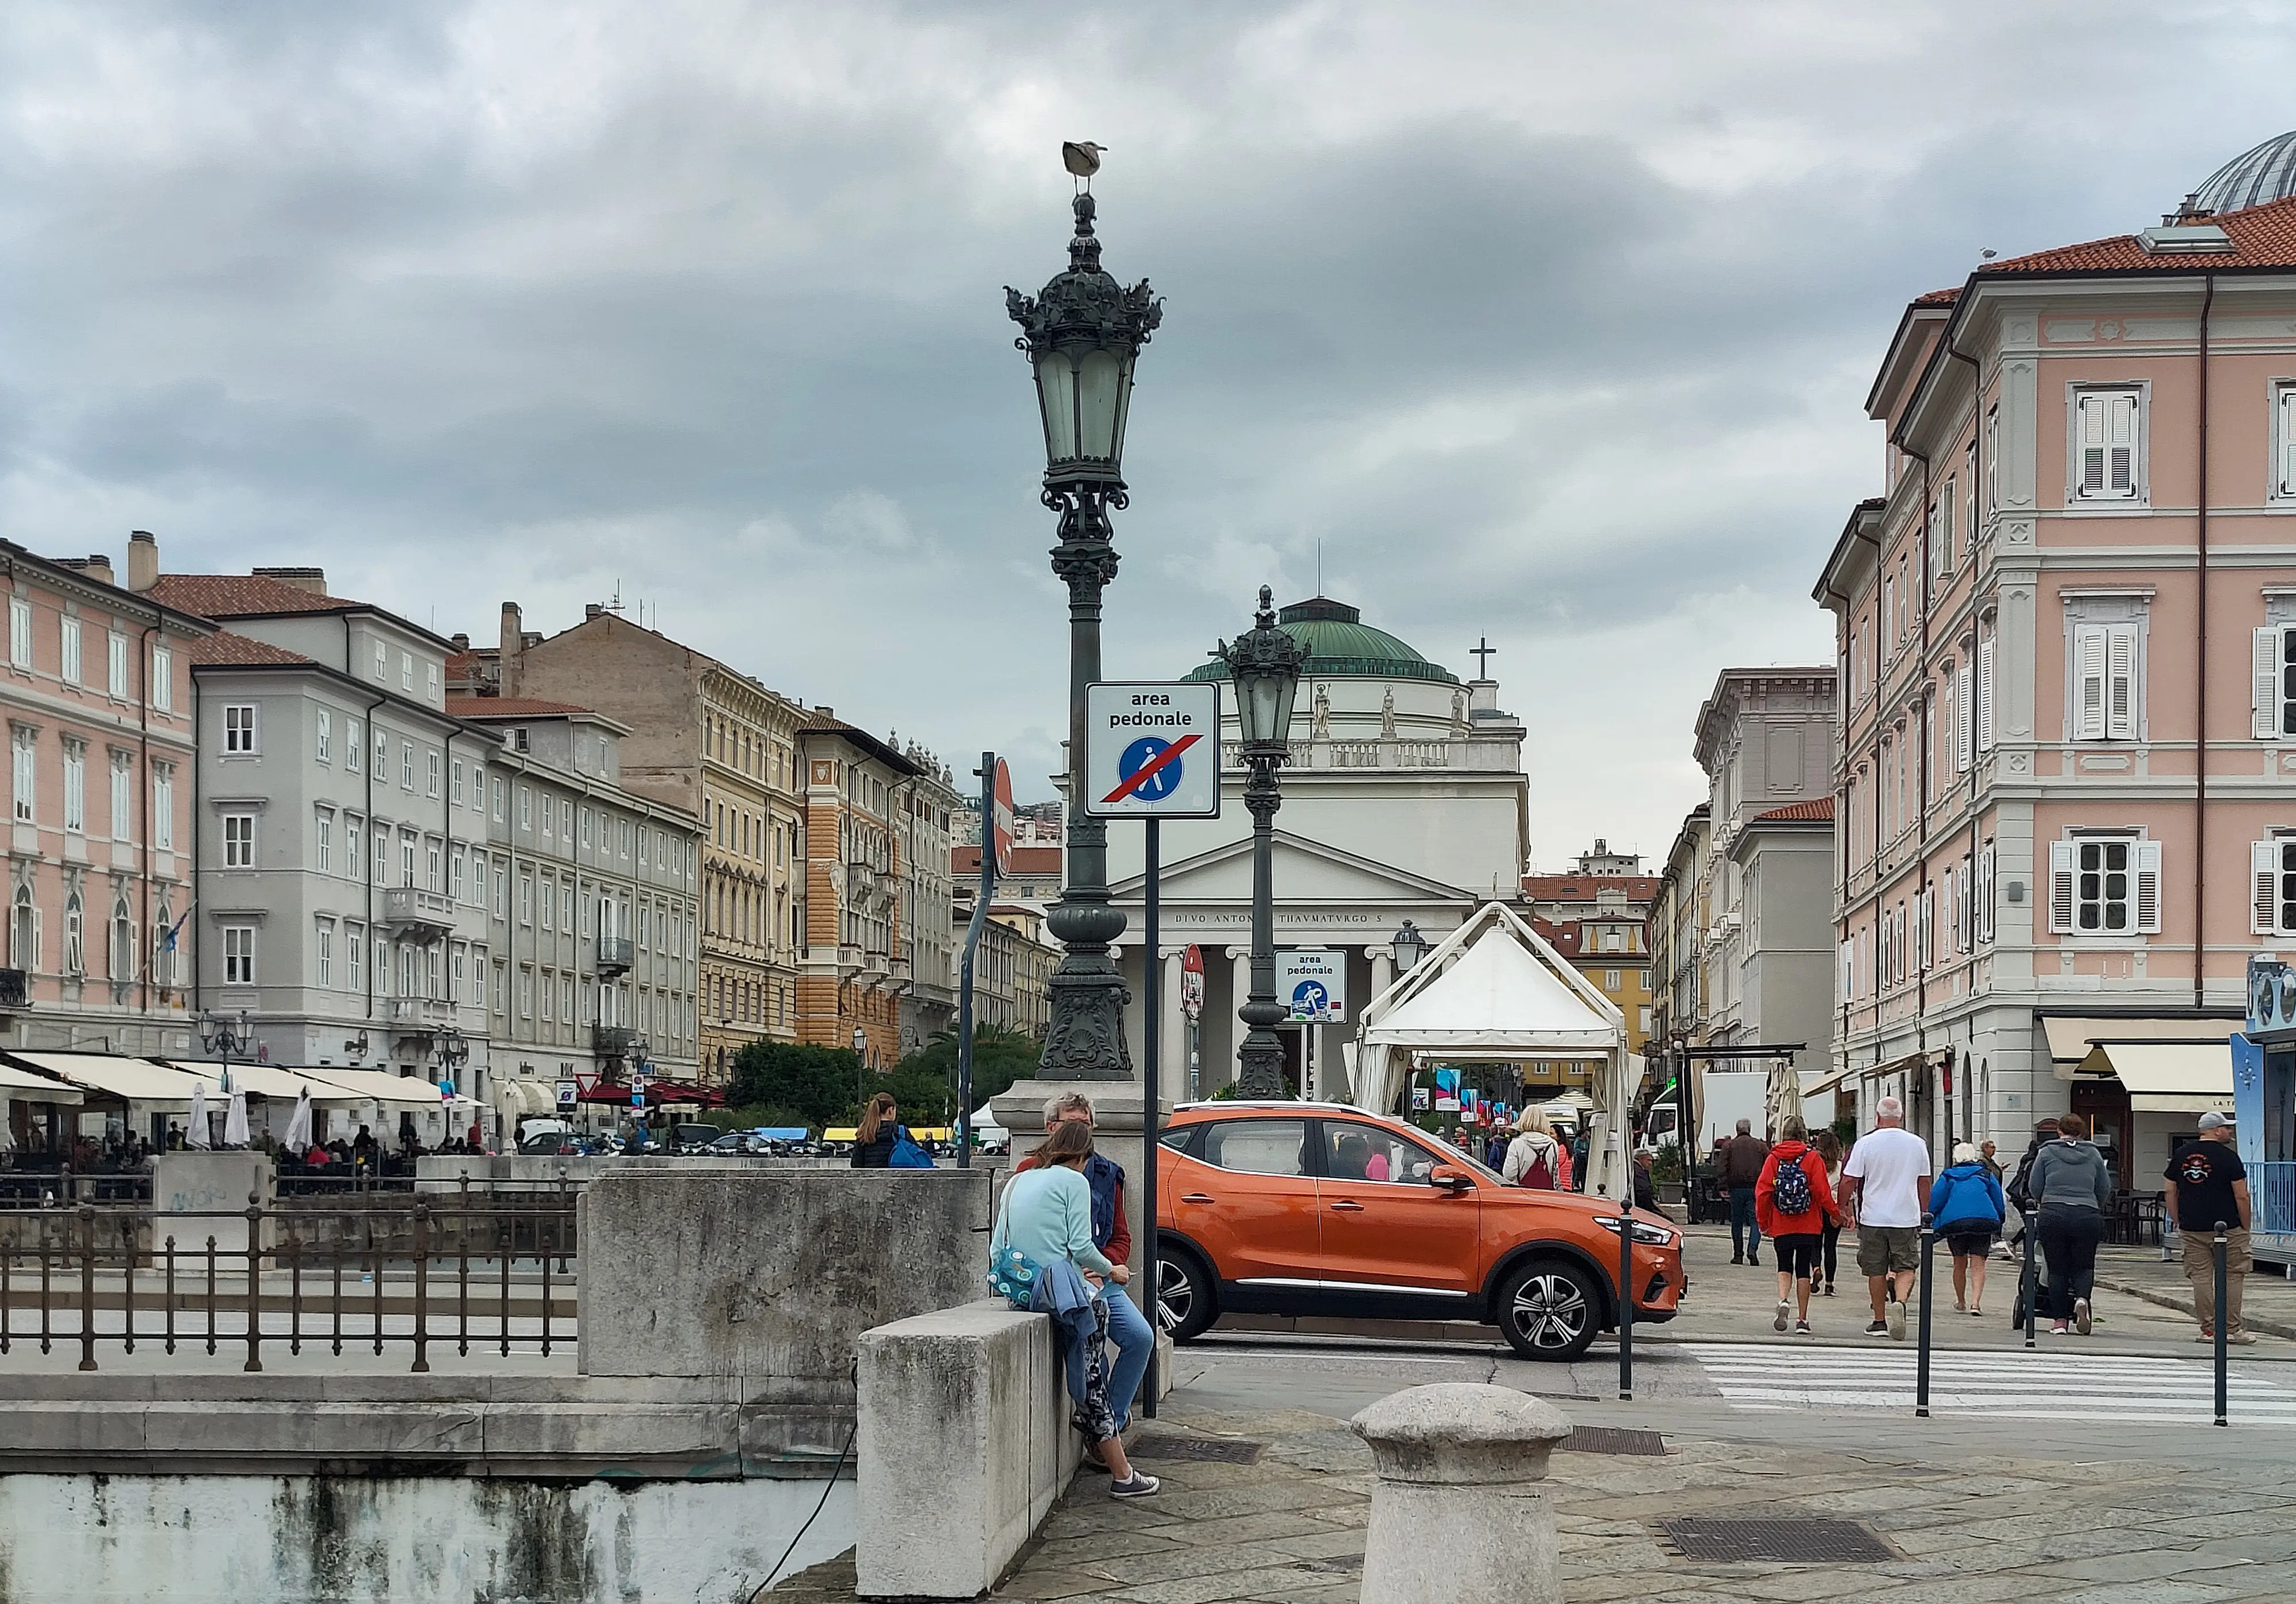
(1496, 990)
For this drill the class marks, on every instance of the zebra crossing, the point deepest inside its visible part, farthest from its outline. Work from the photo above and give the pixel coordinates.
(2017, 1384)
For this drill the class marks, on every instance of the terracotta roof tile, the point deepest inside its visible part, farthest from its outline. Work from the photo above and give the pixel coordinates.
(1817, 809)
(2262, 236)
(1939, 298)
(239, 595)
(223, 647)
(1025, 860)
(509, 706)
(1582, 887)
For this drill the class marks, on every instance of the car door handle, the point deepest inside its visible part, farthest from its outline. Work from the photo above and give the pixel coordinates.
(1347, 1208)
(1194, 1197)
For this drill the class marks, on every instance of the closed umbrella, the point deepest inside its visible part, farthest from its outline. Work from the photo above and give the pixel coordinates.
(197, 1135)
(234, 1122)
(298, 1124)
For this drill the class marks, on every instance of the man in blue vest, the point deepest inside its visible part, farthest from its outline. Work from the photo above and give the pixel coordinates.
(1127, 1329)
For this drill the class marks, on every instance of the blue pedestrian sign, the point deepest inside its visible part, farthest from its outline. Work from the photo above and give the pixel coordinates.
(1152, 751)
(1313, 983)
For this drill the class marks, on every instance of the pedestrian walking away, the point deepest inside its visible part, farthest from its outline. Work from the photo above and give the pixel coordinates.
(1968, 1208)
(1829, 1147)
(1741, 1163)
(1793, 1201)
(879, 1133)
(2073, 1186)
(1042, 1258)
(1112, 1233)
(1888, 1178)
(1534, 1158)
(2207, 1185)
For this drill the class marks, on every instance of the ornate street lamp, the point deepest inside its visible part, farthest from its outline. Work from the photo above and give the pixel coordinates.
(224, 1036)
(1410, 946)
(1083, 334)
(1265, 666)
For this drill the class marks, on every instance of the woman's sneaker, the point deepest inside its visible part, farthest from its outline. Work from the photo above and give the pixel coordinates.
(1801, 1328)
(1137, 1486)
(1779, 1324)
(2080, 1316)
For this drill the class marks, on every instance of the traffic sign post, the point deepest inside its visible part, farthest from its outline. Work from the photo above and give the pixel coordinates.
(1152, 750)
(996, 859)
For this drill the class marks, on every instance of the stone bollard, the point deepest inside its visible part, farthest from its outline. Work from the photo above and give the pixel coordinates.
(1458, 1512)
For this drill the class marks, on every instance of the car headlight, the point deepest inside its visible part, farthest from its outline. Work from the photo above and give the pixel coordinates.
(1656, 1236)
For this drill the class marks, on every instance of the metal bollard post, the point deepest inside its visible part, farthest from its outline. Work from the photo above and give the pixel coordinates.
(2223, 1326)
(2030, 1284)
(1627, 1305)
(1921, 1359)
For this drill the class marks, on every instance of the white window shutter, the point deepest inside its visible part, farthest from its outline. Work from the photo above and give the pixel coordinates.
(2121, 447)
(1985, 653)
(1966, 717)
(2264, 869)
(2288, 441)
(2121, 683)
(2089, 682)
(2265, 659)
(2090, 423)
(2147, 856)
(1990, 863)
(2061, 886)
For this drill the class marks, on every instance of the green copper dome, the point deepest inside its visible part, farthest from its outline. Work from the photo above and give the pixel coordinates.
(1339, 643)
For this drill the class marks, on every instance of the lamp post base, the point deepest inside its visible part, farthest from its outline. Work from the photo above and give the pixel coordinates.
(1084, 1041)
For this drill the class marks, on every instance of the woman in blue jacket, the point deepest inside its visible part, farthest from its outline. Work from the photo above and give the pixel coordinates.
(1967, 1208)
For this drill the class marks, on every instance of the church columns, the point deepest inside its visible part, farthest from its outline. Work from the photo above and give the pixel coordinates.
(1382, 969)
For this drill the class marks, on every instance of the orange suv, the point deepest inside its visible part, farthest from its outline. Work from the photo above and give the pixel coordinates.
(1318, 1208)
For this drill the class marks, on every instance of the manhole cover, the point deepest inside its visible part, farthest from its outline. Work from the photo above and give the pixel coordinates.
(1612, 1439)
(1811, 1540)
(1227, 1451)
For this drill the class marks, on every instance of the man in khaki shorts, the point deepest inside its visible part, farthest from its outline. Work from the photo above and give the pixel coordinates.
(2208, 1183)
(1886, 1178)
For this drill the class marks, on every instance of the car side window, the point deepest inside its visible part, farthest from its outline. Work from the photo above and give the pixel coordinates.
(1363, 1153)
(1182, 1138)
(1257, 1147)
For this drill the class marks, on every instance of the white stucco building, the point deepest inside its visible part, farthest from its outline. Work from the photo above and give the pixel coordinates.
(1405, 799)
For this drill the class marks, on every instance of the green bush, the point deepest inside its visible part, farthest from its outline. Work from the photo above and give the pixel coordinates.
(786, 1083)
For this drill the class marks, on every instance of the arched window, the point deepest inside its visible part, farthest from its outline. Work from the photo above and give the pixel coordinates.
(163, 944)
(75, 934)
(24, 932)
(123, 939)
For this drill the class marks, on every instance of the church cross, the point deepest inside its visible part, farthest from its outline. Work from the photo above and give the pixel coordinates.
(1482, 656)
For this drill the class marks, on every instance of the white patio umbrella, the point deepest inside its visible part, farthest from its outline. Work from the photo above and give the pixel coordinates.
(298, 1139)
(234, 1122)
(195, 1135)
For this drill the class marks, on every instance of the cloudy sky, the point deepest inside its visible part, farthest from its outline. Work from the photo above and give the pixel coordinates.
(1547, 321)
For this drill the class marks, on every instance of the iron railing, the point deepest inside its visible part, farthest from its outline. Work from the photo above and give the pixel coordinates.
(2273, 1184)
(480, 1273)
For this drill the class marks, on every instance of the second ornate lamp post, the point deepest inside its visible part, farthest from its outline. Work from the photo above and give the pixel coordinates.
(1083, 334)
(1264, 666)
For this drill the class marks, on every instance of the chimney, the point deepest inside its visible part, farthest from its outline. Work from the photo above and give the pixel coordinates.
(97, 567)
(514, 645)
(591, 609)
(142, 561)
(462, 642)
(311, 579)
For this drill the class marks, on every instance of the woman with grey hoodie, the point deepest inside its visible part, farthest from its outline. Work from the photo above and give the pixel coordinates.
(2073, 1188)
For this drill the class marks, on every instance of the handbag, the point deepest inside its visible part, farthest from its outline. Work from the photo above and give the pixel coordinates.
(1011, 1274)
(908, 1155)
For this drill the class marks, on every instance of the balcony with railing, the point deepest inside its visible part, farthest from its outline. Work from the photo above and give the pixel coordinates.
(419, 1013)
(414, 915)
(616, 955)
(613, 1041)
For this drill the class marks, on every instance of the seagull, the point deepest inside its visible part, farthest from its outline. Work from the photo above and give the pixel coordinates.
(1081, 157)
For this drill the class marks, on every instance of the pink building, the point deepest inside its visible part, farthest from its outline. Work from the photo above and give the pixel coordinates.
(96, 689)
(2067, 635)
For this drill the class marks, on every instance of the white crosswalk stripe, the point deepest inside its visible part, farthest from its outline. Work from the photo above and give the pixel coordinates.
(2007, 1385)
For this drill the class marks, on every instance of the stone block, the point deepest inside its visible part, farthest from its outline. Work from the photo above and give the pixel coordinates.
(214, 1183)
(766, 1279)
(1458, 1511)
(963, 1445)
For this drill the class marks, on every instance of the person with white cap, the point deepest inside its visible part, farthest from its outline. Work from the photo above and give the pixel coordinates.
(2207, 1183)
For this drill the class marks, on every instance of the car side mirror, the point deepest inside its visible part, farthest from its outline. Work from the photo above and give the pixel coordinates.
(1450, 1175)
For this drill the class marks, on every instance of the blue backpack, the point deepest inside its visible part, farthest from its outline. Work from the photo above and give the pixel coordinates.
(1791, 1187)
(906, 1154)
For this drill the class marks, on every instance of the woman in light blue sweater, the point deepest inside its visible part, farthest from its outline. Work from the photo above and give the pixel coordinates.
(1045, 1215)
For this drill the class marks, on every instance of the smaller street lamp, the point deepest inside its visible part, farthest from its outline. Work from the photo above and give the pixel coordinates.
(860, 1068)
(1265, 666)
(224, 1036)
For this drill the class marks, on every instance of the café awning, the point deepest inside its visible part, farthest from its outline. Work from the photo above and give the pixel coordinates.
(377, 1086)
(2162, 1077)
(2072, 1035)
(132, 1080)
(16, 1085)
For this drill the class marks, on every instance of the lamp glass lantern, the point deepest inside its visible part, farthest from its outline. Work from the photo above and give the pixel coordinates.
(1084, 391)
(1410, 946)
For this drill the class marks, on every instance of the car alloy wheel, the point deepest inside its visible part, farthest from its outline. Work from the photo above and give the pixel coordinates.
(1184, 1302)
(1548, 1312)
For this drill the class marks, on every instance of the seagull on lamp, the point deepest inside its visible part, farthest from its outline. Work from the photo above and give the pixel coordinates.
(1081, 158)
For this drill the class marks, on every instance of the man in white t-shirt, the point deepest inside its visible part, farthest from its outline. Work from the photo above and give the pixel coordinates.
(1886, 1180)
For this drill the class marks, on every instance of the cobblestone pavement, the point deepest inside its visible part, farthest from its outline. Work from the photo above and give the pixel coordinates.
(1288, 1529)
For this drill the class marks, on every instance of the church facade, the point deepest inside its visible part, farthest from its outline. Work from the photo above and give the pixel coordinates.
(1405, 799)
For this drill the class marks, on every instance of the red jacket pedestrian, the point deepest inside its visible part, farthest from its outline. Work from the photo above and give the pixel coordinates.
(1823, 1207)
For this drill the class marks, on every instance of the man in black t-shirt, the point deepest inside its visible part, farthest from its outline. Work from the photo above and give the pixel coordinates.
(2207, 1183)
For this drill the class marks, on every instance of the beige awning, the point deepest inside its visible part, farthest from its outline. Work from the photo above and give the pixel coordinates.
(378, 1086)
(2162, 1077)
(2073, 1035)
(130, 1079)
(16, 1086)
(266, 1080)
